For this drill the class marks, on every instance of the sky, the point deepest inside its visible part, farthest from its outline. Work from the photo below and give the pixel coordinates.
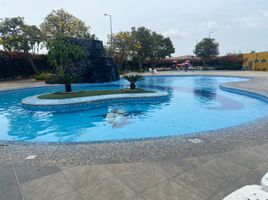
(238, 25)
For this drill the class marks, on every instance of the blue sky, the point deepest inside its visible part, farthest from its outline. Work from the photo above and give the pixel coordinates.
(238, 25)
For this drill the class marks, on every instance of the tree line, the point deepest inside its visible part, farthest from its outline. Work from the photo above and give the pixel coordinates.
(140, 44)
(60, 26)
(57, 28)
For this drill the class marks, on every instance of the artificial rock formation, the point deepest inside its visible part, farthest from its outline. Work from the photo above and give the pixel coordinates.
(97, 67)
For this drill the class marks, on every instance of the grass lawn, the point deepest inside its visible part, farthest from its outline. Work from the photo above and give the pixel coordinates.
(88, 93)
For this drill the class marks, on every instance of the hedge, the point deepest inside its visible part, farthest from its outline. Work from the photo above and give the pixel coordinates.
(228, 62)
(15, 65)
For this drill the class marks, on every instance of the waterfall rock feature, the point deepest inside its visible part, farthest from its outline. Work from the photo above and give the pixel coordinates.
(97, 67)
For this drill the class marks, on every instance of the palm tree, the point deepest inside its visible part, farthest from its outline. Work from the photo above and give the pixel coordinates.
(67, 80)
(132, 79)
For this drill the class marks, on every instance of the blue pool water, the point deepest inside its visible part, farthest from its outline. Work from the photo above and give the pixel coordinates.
(195, 104)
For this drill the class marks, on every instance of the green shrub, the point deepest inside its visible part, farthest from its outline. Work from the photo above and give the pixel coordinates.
(15, 65)
(53, 79)
(132, 79)
(42, 76)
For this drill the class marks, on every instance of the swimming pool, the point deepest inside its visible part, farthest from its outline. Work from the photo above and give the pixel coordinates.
(195, 104)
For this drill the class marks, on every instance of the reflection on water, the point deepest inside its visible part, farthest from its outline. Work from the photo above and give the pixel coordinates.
(204, 97)
(205, 92)
(205, 89)
(117, 118)
(4, 124)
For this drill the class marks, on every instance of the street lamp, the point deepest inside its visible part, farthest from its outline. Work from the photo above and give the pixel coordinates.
(256, 62)
(111, 26)
(210, 34)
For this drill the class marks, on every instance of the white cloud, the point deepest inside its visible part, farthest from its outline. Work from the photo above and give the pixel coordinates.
(264, 13)
(209, 25)
(252, 21)
(175, 33)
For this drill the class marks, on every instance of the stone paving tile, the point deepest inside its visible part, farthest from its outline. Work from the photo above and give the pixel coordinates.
(47, 187)
(169, 190)
(225, 192)
(73, 195)
(116, 168)
(29, 173)
(142, 177)
(82, 176)
(200, 159)
(262, 169)
(109, 188)
(227, 171)
(7, 179)
(139, 197)
(251, 178)
(245, 158)
(175, 167)
(4, 161)
(12, 194)
(261, 150)
(201, 182)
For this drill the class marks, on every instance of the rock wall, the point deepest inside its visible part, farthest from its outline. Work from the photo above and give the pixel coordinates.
(97, 67)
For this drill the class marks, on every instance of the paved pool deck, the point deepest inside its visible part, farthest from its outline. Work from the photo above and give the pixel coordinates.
(204, 167)
(17, 84)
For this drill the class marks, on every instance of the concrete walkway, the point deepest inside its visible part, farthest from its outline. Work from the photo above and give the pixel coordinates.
(208, 177)
(17, 84)
(171, 169)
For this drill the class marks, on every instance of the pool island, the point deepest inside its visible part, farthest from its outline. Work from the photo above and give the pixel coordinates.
(90, 99)
(89, 93)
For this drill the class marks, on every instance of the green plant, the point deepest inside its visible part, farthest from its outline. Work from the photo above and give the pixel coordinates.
(67, 79)
(132, 79)
(148, 44)
(53, 79)
(16, 35)
(14, 65)
(42, 76)
(60, 21)
(62, 55)
(206, 49)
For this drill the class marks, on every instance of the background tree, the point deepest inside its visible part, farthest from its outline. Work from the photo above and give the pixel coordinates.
(206, 49)
(142, 44)
(160, 47)
(60, 21)
(149, 45)
(122, 47)
(17, 36)
(62, 55)
(33, 38)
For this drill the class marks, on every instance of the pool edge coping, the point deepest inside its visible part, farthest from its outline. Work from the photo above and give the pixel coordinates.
(35, 101)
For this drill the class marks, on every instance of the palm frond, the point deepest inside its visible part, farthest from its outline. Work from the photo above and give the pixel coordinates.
(133, 78)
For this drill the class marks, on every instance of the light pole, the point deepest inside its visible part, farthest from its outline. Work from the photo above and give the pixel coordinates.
(256, 62)
(111, 26)
(210, 34)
